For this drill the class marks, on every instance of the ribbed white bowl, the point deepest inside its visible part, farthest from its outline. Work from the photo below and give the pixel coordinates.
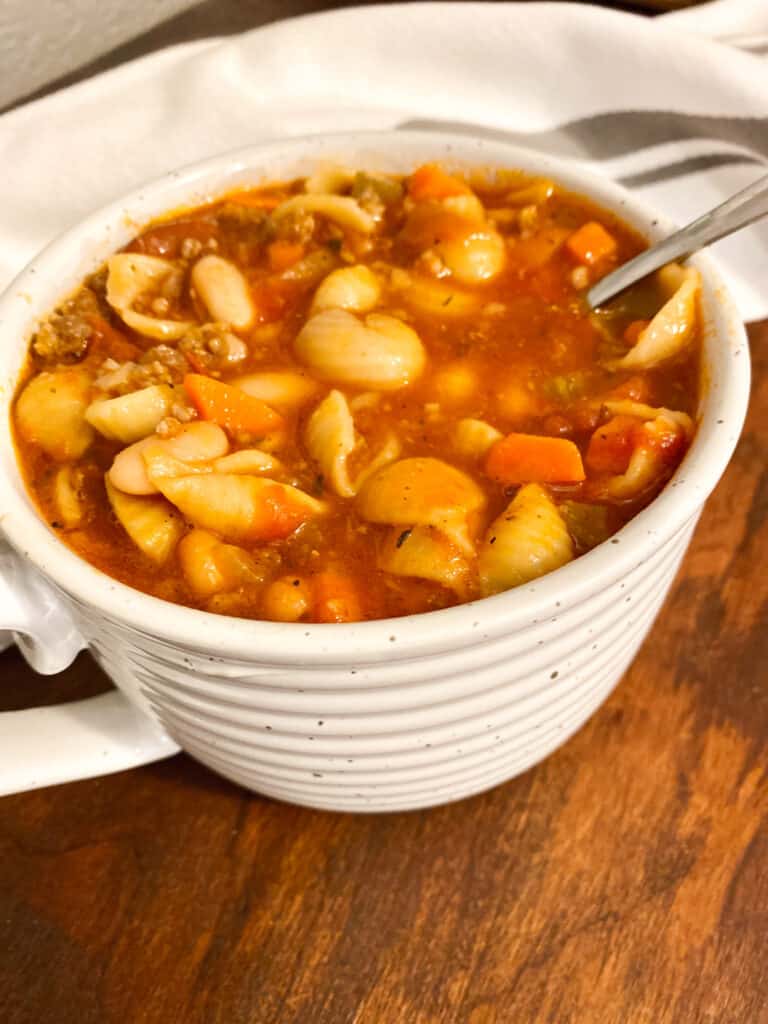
(402, 713)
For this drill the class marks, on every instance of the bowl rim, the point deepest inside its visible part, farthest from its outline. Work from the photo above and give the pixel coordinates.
(426, 632)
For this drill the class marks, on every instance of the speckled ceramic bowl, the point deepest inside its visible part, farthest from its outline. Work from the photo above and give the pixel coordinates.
(373, 716)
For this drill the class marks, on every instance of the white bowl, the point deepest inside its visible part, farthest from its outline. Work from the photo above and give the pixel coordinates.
(386, 715)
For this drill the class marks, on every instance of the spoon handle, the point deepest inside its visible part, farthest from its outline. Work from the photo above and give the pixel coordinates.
(745, 207)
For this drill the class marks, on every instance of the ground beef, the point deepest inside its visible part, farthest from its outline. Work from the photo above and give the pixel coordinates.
(160, 364)
(212, 347)
(298, 226)
(64, 337)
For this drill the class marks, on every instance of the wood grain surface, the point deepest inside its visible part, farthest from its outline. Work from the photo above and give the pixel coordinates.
(624, 880)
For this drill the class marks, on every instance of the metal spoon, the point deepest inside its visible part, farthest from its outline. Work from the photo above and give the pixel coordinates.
(745, 207)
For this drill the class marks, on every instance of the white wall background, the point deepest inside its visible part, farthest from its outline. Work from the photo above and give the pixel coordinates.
(41, 40)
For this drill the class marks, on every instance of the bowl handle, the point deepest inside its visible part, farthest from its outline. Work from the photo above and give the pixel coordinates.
(82, 739)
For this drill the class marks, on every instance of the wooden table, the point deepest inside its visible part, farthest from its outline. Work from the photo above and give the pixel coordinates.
(624, 880)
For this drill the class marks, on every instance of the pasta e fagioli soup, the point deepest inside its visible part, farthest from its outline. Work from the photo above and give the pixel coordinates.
(355, 395)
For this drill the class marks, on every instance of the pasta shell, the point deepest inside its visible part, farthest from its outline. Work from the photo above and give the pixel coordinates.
(69, 505)
(130, 417)
(354, 288)
(647, 467)
(131, 275)
(331, 439)
(224, 291)
(152, 327)
(240, 508)
(285, 390)
(644, 469)
(150, 522)
(473, 438)
(342, 210)
(628, 407)
(669, 278)
(248, 460)
(381, 353)
(50, 413)
(160, 464)
(198, 442)
(424, 492)
(425, 553)
(669, 332)
(329, 179)
(211, 567)
(526, 541)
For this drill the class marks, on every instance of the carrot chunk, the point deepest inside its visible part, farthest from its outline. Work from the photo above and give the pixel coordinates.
(230, 406)
(526, 458)
(431, 182)
(283, 254)
(591, 244)
(610, 447)
(335, 598)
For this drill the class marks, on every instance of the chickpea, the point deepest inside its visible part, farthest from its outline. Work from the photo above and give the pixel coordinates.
(456, 383)
(516, 402)
(287, 599)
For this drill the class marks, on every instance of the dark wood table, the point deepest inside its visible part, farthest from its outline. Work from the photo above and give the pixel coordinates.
(624, 880)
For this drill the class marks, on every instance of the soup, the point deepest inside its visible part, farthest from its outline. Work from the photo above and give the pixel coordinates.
(356, 396)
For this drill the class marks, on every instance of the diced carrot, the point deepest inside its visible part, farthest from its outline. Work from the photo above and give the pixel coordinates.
(610, 447)
(335, 598)
(106, 338)
(526, 458)
(430, 181)
(591, 243)
(257, 200)
(278, 516)
(283, 254)
(230, 406)
(632, 333)
(637, 388)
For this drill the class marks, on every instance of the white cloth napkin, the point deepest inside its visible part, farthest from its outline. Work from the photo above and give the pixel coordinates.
(736, 22)
(682, 120)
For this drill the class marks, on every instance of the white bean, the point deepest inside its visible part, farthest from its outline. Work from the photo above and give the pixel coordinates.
(224, 291)
(354, 288)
